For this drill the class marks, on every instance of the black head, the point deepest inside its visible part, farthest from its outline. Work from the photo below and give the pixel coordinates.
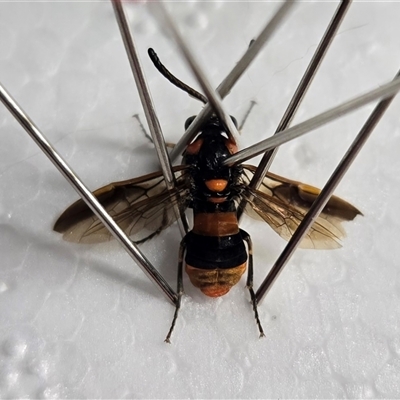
(213, 121)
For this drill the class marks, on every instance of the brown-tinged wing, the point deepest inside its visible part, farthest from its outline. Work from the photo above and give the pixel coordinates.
(283, 203)
(142, 207)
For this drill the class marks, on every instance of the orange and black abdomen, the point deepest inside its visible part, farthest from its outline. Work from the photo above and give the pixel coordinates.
(215, 253)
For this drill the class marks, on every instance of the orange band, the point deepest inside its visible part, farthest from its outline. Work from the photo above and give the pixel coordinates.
(216, 224)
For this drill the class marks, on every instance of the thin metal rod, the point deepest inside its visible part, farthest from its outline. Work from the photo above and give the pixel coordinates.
(323, 197)
(213, 97)
(294, 132)
(85, 194)
(225, 87)
(302, 89)
(298, 96)
(148, 107)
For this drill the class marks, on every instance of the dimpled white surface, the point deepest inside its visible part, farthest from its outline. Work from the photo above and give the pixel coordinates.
(80, 321)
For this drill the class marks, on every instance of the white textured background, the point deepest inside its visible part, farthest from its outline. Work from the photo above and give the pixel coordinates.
(84, 321)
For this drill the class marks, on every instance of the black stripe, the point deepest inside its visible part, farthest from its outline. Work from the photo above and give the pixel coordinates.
(212, 252)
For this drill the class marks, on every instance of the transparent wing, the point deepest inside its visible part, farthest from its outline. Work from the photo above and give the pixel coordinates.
(142, 207)
(283, 203)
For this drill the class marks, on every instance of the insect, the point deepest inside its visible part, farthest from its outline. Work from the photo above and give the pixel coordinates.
(214, 250)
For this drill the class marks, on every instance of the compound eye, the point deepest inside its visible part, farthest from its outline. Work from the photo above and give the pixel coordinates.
(189, 121)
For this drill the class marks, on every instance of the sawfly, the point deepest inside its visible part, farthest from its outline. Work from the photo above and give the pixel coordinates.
(214, 251)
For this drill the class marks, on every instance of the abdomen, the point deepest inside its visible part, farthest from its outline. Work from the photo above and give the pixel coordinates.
(215, 253)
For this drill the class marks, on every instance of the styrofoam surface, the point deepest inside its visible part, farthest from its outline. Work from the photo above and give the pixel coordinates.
(83, 321)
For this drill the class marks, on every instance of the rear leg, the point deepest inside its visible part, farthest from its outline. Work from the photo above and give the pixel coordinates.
(182, 249)
(249, 283)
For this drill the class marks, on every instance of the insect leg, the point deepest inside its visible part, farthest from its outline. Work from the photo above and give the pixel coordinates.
(249, 283)
(143, 129)
(182, 249)
(252, 104)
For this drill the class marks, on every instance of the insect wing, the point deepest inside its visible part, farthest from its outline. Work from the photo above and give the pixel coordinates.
(139, 206)
(283, 203)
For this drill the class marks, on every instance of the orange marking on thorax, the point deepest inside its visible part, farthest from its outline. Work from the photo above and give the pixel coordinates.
(216, 224)
(194, 147)
(216, 185)
(232, 147)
